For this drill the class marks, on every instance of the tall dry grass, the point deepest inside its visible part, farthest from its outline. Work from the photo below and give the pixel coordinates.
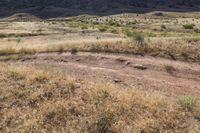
(34, 100)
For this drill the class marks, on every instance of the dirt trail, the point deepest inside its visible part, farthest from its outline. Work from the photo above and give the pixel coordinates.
(120, 70)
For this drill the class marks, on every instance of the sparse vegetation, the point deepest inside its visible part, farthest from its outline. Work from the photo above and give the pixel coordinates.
(37, 94)
(57, 102)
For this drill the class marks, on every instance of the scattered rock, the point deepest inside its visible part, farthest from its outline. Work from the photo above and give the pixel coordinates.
(140, 66)
(128, 63)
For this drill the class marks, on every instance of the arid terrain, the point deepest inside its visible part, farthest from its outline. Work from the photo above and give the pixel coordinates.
(129, 72)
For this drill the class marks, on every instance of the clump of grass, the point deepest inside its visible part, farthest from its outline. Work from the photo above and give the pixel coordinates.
(26, 51)
(103, 123)
(16, 75)
(41, 78)
(7, 51)
(187, 102)
(57, 116)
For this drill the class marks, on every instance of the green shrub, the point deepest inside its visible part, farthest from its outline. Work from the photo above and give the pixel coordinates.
(170, 69)
(102, 29)
(139, 38)
(39, 30)
(136, 36)
(112, 23)
(114, 31)
(188, 26)
(3, 35)
(196, 30)
(187, 102)
(163, 27)
(73, 51)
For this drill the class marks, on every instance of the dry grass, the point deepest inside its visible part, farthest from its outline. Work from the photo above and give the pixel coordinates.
(172, 48)
(174, 42)
(33, 100)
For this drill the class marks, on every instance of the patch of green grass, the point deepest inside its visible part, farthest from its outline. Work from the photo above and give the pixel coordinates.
(187, 102)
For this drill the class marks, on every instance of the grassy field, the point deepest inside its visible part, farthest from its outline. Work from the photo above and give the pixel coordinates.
(34, 99)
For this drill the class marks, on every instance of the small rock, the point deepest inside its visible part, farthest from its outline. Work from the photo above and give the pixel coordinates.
(117, 80)
(140, 66)
(63, 60)
(121, 59)
(78, 59)
(128, 63)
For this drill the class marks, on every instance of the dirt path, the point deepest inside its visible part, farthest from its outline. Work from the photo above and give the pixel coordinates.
(120, 70)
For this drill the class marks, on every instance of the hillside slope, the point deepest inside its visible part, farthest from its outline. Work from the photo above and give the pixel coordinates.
(58, 7)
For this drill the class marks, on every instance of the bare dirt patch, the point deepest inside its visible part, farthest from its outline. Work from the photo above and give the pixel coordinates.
(121, 70)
